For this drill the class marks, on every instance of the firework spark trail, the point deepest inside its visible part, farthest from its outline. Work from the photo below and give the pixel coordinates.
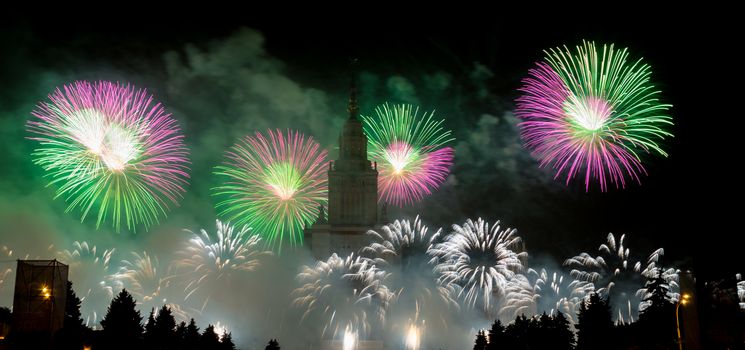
(478, 259)
(7, 253)
(7, 275)
(615, 274)
(275, 183)
(592, 112)
(214, 262)
(343, 292)
(411, 152)
(111, 151)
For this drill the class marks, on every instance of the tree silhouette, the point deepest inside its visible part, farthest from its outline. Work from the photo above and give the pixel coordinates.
(209, 339)
(561, 333)
(73, 330)
(595, 326)
(72, 309)
(149, 335)
(541, 333)
(657, 294)
(192, 336)
(165, 327)
(496, 336)
(122, 325)
(226, 342)
(273, 345)
(656, 326)
(180, 335)
(516, 333)
(5, 315)
(481, 342)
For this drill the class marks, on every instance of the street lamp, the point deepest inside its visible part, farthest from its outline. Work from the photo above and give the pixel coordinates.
(684, 299)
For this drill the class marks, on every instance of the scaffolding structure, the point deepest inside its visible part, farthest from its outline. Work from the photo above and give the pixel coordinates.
(39, 299)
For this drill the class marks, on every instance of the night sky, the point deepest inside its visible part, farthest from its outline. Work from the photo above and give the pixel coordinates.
(222, 78)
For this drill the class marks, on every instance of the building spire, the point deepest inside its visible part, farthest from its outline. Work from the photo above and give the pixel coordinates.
(353, 107)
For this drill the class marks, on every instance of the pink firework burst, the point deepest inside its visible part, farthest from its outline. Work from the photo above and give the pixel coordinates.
(592, 115)
(111, 150)
(412, 157)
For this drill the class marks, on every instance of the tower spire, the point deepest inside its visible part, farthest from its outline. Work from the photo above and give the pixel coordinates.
(353, 107)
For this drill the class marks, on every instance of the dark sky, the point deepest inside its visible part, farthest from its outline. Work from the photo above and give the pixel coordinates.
(688, 203)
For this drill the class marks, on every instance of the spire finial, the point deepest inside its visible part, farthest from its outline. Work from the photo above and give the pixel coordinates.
(353, 107)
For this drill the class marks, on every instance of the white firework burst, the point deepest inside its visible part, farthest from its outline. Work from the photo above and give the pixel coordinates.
(477, 259)
(344, 292)
(519, 298)
(545, 291)
(142, 276)
(615, 274)
(92, 276)
(150, 284)
(213, 261)
(405, 250)
(741, 290)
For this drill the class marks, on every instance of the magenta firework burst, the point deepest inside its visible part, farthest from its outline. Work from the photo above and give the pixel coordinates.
(111, 150)
(592, 113)
(410, 150)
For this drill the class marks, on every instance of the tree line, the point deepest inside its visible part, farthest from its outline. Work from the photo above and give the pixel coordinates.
(123, 328)
(655, 329)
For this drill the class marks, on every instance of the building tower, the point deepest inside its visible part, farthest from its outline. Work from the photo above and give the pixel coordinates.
(353, 194)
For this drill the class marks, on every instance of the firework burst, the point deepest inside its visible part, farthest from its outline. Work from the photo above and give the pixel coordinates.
(92, 276)
(405, 250)
(546, 291)
(275, 183)
(614, 273)
(142, 276)
(519, 298)
(410, 151)
(344, 292)
(594, 112)
(741, 290)
(212, 261)
(111, 151)
(402, 244)
(149, 283)
(651, 270)
(478, 259)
